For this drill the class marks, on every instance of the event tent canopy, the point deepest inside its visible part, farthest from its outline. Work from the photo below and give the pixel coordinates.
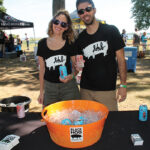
(8, 22)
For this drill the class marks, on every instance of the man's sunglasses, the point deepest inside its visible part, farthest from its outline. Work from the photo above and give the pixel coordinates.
(87, 9)
(57, 22)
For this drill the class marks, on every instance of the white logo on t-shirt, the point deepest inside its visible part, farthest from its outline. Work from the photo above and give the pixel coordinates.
(55, 61)
(95, 49)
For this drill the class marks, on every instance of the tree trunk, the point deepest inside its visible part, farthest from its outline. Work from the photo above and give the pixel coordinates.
(57, 5)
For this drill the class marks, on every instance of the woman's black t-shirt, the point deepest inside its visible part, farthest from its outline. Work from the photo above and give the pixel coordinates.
(99, 52)
(55, 58)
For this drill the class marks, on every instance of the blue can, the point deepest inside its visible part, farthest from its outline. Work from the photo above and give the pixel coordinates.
(62, 72)
(66, 122)
(143, 112)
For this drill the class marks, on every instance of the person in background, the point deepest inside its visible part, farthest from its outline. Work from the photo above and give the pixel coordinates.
(27, 41)
(6, 42)
(144, 42)
(2, 42)
(124, 36)
(15, 41)
(19, 42)
(136, 42)
(100, 44)
(11, 43)
(53, 52)
(136, 38)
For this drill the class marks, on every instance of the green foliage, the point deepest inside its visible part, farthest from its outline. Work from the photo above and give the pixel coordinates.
(1, 2)
(2, 8)
(141, 13)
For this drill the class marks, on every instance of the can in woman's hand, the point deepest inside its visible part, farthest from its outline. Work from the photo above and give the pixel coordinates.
(62, 72)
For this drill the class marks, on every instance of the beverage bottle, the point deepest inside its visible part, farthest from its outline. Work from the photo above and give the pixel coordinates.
(80, 61)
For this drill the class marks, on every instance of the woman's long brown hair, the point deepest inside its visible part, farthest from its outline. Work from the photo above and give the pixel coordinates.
(69, 33)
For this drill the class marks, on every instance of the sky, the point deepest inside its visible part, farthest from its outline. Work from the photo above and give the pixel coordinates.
(115, 12)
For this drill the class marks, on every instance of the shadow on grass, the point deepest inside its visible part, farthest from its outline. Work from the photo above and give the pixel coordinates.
(140, 80)
(15, 73)
(144, 97)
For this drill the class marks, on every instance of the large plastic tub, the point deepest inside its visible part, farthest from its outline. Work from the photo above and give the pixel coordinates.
(131, 58)
(85, 135)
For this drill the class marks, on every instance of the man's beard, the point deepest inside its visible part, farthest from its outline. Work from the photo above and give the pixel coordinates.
(90, 23)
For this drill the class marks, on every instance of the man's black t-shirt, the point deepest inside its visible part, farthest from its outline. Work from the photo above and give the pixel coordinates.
(100, 70)
(55, 58)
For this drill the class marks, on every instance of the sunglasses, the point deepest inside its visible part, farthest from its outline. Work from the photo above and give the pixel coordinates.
(57, 22)
(87, 9)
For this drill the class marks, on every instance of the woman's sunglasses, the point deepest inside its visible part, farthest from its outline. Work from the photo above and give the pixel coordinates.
(87, 9)
(57, 22)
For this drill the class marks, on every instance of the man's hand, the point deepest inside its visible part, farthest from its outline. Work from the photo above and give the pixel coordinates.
(121, 94)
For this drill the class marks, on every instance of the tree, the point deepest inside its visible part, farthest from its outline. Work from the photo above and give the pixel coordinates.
(58, 4)
(2, 8)
(141, 13)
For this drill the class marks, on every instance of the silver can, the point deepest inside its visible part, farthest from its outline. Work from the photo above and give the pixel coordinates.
(20, 111)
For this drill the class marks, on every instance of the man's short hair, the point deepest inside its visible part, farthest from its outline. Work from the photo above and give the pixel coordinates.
(83, 1)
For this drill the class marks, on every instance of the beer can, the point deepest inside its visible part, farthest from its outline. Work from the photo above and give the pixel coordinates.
(20, 111)
(62, 71)
(66, 122)
(143, 112)
(80, 61)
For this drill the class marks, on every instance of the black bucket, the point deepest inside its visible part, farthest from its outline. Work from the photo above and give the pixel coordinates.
(10, 104)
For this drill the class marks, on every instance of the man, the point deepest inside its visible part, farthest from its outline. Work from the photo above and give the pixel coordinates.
(27, 41)
(124, 36)
(100, 45)
(136, 39)
(2, 42)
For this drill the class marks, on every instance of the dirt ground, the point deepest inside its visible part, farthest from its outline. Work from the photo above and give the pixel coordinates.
(21, 78)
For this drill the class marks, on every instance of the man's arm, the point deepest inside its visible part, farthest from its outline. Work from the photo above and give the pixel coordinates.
(122, 92)
(122, 66)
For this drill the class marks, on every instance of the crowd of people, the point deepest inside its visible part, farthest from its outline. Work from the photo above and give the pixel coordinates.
(138, 39)
(9, 43)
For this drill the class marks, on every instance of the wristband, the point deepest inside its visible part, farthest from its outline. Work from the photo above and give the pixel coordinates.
(124, 86)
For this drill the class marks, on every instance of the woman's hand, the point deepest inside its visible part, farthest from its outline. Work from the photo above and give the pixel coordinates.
(41, 98)
(67, 78)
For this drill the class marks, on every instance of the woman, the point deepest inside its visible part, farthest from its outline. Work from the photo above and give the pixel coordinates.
(53, 52)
